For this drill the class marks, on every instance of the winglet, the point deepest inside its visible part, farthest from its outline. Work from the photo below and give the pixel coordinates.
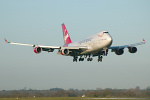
(143, 40)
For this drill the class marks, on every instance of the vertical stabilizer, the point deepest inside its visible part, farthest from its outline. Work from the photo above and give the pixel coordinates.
(66, 36)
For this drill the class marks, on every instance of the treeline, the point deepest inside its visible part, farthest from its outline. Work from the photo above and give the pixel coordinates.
(58, 92)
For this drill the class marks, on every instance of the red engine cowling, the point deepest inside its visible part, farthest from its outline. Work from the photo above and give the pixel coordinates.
(37, 50)
(65, 52)
(119, 51)
(132, 49)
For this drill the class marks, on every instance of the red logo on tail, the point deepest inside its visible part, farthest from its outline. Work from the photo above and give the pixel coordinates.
(66, 36)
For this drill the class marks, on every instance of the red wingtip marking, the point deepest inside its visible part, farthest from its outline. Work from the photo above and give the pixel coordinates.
(143, 40)
(6, 41)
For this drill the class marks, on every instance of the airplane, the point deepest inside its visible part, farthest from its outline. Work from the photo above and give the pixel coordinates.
(95, 45)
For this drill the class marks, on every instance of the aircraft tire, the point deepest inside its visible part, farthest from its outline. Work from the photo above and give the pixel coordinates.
(88, 59)
(91, 59)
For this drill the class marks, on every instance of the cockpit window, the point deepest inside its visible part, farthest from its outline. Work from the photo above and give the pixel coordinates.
(105, 32)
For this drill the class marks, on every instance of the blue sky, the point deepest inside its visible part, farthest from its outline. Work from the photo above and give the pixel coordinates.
(39, 22)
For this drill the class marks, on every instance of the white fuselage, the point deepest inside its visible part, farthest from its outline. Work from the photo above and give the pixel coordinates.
(95, 43)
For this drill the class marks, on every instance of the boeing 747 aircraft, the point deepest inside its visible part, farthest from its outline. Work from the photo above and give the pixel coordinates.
(95, 45)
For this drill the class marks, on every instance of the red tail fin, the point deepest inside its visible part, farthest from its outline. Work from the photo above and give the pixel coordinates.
(66, 36)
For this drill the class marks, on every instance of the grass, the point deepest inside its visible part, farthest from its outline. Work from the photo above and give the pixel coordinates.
(61, 98)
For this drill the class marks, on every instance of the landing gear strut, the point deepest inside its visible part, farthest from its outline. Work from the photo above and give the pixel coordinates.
(75, 59)
(100, 58)
(105, 52)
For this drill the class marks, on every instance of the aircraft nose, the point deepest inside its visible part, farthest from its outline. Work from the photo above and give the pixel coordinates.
(110, 40)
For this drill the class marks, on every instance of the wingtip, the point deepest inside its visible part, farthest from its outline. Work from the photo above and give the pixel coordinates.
(6, 40)
(144, 40)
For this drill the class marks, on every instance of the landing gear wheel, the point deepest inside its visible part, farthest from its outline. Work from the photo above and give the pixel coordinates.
(81, 59)
(100, 58)
(75, 59)
(89, 59)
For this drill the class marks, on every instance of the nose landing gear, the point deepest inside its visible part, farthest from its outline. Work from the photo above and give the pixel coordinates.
(100, 58)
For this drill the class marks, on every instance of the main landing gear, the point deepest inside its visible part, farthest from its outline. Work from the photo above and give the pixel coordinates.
(81, 59)
(75, 58)
(89, 59)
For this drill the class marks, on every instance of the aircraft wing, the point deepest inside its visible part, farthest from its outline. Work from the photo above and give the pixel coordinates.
(42, 46)
(127, 46)
(51, 48)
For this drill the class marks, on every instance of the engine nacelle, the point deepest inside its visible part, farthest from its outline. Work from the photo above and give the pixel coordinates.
(37, 50)
(132, 49)
(119, 51)
(65, 52)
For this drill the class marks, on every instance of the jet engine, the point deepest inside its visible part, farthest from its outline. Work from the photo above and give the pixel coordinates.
(132, 49)
(119, 51)
(65, 52)
(37, 50)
